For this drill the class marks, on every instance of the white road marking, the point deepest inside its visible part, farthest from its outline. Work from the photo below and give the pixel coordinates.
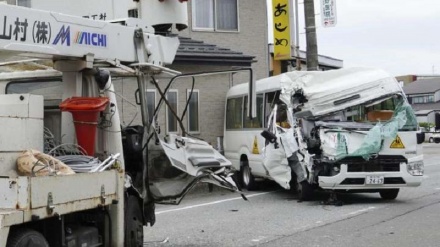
(258, 239)
(212, 203)
(361, 210)
(437, 188)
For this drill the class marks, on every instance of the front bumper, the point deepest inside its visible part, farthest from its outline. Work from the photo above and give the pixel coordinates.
(356, 180)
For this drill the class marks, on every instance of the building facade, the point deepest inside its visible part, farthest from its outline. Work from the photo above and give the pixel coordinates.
(424, 97)
(234, 35)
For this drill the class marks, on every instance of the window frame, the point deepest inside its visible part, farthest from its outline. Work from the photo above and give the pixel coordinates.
(167, 111)
(188, 91)
(241, 112)
(214, 29)
(244, 114)
(266, 110)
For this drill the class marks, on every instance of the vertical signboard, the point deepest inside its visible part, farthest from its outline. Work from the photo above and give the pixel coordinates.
(281, 30)
(328, 13)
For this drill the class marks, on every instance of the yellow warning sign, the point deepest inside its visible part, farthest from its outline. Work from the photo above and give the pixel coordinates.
(255, 146)
(397, 143)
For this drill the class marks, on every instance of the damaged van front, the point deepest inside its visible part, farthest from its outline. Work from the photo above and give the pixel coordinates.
(356, 130)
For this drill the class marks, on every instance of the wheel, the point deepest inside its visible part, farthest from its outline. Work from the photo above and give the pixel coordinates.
(437, 140)
(431, 140)
(26, 238)
(389, 194)
(247, 180)
(134, 229)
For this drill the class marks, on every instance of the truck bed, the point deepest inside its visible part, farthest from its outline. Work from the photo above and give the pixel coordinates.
(34, 198)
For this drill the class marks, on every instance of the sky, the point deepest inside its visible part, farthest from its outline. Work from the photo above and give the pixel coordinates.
(399, 36)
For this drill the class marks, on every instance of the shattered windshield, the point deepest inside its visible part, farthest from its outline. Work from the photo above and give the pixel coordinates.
(384, 111)
(389, 117)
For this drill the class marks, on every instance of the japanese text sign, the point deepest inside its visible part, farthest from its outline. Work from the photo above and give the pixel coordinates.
(281, 30)
(328, 13)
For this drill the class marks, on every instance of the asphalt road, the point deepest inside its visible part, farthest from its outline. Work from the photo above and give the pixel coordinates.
(273, 217)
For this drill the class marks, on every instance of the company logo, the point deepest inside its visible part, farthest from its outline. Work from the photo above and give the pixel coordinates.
(93, 39)
(63, 36)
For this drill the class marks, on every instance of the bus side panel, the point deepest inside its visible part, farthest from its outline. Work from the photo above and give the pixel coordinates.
(248, 143)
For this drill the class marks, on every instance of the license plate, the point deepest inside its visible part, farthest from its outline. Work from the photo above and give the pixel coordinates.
(374, 180)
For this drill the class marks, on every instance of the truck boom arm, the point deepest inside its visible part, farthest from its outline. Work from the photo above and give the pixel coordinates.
(36, 33)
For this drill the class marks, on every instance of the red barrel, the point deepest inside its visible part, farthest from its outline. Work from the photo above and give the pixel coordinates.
(85, 112)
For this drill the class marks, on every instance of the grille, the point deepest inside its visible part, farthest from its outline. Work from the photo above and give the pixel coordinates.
(381, 163)
(394, 181)
(353, 181)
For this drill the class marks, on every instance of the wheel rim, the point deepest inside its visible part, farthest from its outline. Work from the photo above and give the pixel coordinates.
(246, 175)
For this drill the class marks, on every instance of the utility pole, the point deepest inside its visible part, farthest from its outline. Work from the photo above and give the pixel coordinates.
(312, 46)
(298, 58)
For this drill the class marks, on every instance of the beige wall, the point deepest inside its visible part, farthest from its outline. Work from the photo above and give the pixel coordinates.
(406, 79)
(251, 39)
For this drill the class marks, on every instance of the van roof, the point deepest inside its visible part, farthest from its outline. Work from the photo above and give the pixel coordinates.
(328, 91)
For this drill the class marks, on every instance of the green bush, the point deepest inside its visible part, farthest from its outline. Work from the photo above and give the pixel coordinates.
(426, 125)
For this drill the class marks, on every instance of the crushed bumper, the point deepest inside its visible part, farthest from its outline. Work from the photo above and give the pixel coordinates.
(356, 180)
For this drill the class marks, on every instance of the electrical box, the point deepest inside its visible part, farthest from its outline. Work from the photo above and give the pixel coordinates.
(21, 121)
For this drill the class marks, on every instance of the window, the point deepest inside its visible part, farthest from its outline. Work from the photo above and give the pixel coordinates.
(24, 3)
(234, 116)
(193, 111)
(151, 103)
(51, 90)
(270, 100)
(256, 122)
(215, 15)
(171, 119)
(422, 99)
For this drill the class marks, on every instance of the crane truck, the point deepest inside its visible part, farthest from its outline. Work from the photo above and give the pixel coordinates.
(96, 187)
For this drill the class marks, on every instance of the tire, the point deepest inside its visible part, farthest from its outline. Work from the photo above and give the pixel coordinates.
(431, 140)
(247, 180)
(389, 194)
(134, 230)
(26, 238)
(437, 140)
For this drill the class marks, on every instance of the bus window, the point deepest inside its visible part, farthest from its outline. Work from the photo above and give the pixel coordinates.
(234, 116)
(269, 101)
(257, 121)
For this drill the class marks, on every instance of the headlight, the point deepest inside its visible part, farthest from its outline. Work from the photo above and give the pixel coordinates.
(415, 168)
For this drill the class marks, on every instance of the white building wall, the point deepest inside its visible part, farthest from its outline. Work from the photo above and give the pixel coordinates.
(422, 119)
(437, 96)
